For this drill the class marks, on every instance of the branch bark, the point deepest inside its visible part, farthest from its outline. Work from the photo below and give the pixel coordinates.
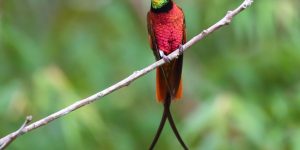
(8, 139)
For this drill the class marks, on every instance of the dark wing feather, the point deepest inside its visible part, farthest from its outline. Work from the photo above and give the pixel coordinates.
(183, 29)
(151, 37)
(177, 69)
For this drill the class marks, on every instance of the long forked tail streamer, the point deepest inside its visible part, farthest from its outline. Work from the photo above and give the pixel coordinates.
(175, 131)
(167, 115)
(162, 124)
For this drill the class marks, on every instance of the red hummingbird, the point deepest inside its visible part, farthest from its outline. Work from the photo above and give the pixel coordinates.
(166, 30)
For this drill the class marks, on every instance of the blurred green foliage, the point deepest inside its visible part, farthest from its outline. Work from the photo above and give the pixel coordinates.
(241, 84)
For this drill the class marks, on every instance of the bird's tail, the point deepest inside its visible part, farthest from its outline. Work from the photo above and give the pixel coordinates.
(167, 115)
(162, 121)
(173, 126)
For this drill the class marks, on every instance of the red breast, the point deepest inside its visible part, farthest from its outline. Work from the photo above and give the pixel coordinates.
(168, 28)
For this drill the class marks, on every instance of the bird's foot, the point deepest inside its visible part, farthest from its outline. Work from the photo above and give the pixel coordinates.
(180, 48)
(164, 57)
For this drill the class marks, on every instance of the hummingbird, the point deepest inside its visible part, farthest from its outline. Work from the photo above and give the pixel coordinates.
(166, 33)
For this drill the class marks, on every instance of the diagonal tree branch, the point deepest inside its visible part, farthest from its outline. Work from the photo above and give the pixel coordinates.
(12, 137)
(8, 139)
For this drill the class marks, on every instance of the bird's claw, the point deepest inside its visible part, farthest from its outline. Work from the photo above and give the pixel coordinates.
(180, 48)
(164, 57)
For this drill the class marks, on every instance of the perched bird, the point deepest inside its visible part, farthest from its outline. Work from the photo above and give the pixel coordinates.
(166, 29)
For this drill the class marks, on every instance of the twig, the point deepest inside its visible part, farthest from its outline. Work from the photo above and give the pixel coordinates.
(12, 137)
(5, 141)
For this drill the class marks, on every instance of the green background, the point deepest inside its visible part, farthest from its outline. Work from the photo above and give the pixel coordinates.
(241, 84)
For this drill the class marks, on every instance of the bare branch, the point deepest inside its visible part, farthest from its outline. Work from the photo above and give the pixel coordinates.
(6, 140)
(12, 137)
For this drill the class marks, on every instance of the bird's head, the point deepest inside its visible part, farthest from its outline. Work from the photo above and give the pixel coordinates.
(156, 4)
